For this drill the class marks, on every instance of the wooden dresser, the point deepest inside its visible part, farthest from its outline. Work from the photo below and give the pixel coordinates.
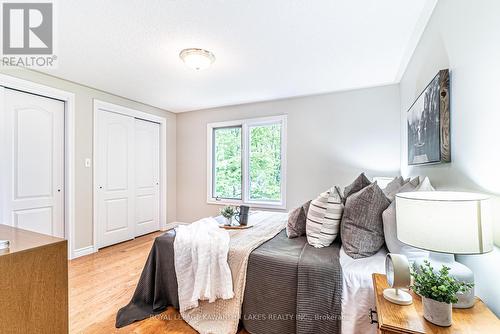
(33, 283)
(409, 319)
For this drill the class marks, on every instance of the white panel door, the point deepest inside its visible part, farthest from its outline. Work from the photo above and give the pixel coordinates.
(32, 162)
(147, 174)
(114, 169)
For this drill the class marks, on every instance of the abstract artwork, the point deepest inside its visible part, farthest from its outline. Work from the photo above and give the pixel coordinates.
(428, 121)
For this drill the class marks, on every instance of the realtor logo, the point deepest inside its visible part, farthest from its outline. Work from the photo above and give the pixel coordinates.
(27, 28)
(28, 34)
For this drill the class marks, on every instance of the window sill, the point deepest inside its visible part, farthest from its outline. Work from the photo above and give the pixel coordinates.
(253, 205)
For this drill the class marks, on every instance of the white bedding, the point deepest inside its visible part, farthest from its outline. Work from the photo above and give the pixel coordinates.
(201, 263)
(357, 291)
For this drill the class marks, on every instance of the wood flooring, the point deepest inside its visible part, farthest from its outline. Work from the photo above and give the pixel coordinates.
(103, 282)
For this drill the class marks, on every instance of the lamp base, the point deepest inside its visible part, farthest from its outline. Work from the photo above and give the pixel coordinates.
(397, 296)
(457, 270)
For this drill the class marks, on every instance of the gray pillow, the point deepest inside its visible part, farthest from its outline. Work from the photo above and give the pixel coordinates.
(362, 230)
(407, 187)
(296, 226)
(415, 181)
(392, 187)
(359, 183)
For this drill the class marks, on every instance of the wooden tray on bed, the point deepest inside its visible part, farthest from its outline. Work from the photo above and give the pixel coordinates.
(235, 227)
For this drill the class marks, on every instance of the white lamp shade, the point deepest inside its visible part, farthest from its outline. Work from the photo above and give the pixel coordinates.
(445, 221)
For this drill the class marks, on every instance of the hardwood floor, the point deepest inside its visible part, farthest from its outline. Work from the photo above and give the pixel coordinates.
(101, 283)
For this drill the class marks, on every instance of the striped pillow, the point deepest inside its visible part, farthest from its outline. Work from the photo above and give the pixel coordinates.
(323, 218)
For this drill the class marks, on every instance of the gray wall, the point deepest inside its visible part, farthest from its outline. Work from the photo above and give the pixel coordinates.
(463, 35)
(84, 97)
(331, 138)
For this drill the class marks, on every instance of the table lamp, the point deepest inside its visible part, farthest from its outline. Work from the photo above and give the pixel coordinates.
(446, 223)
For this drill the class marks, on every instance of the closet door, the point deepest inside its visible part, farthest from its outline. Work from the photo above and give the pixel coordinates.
(114, 174)
(147, 175)
(32, 160)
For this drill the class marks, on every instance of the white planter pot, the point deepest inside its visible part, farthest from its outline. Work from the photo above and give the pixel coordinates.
(228, 221)
(437, 312)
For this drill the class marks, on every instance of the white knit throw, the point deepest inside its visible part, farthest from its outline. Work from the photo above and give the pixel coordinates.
(222, 316)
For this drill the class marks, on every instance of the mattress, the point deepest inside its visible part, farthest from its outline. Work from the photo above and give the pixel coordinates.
(357, 291)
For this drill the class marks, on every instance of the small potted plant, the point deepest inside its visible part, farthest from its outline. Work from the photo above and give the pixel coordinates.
(438, 291)
(227, 212)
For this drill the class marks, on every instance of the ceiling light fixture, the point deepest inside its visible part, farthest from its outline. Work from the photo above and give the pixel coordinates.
(197, 59)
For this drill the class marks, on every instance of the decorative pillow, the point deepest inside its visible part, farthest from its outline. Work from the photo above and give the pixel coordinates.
(359, 183)
(296, 226)
(415, 181)
(425, 185)
(392, 241)
(392, 188)
(323, 218)
(406, 187)
(362, 230)
(391, 232)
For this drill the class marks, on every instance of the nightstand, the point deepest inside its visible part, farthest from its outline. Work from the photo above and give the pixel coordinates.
(409, 319)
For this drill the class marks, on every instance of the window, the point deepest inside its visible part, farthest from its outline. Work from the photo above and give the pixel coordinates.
(247, 162)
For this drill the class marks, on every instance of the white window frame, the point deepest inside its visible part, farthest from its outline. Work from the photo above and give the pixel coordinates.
(245, 192)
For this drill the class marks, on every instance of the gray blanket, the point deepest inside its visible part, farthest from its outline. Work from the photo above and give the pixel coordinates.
(157, 287)
(291, 287)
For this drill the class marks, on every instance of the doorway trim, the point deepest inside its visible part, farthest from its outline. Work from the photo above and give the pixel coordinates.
(115, 108)
(69, 145)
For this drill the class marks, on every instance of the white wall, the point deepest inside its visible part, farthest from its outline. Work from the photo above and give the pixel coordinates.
(84, 97)
(331, 138)
(463, 35)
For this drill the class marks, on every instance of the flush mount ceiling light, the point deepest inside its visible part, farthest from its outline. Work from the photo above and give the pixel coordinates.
(197, 59)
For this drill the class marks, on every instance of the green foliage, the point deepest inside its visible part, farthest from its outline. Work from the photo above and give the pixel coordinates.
(227, 212)
(228, 162)
(264, 162)
(439, 285)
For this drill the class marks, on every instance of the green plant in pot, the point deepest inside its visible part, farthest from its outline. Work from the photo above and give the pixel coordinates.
(227, 212)
(438, 291)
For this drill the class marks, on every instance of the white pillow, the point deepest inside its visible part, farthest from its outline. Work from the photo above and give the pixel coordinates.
(425, 185)
(323, 218)
(391, 232)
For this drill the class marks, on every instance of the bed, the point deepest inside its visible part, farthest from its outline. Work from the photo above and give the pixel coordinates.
(290, 286)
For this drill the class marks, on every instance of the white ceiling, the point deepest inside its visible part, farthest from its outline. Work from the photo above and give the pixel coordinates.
(265, 49)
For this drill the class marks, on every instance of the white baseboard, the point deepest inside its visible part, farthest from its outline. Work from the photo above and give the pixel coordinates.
(172, 225)
(83, 251)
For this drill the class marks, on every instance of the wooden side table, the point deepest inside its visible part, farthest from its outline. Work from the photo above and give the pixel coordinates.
(409, 319)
